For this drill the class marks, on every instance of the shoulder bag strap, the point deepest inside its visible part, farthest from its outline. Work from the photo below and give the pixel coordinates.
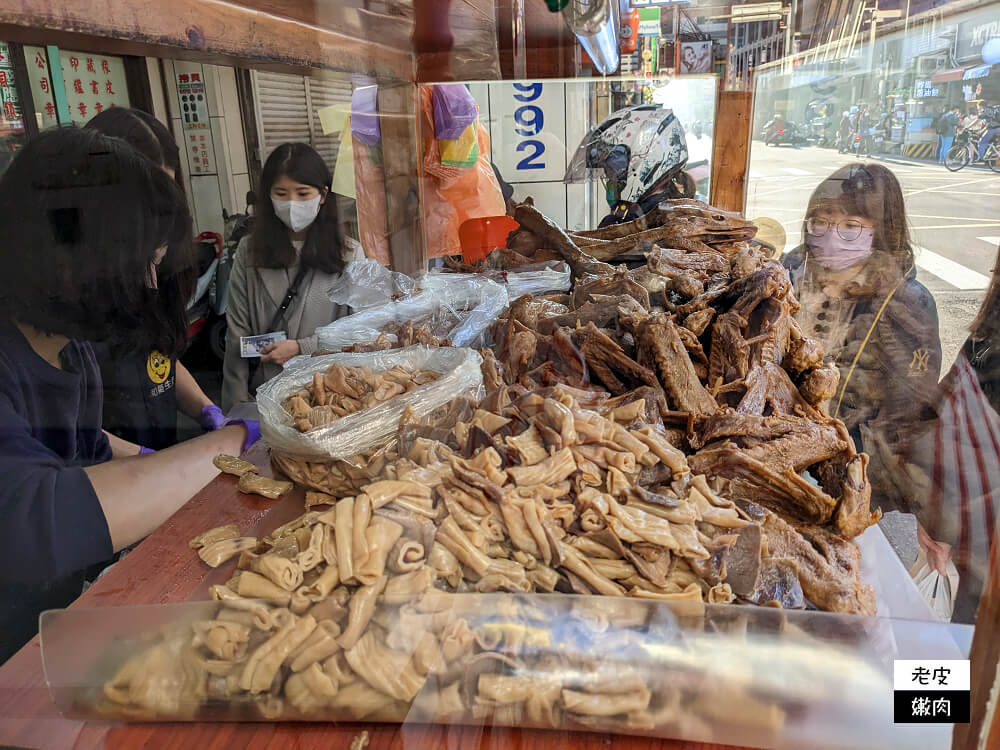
(293, 290)
(864, 342)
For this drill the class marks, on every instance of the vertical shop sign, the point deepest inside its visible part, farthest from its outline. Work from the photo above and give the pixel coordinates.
(93, 83)
(10, 107)
(197, 125)
(41, 87)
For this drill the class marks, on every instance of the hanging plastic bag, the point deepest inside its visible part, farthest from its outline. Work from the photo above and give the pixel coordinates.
(938, 590)
(459, 307)
(364, 115)
(367, 283)
(452, 194)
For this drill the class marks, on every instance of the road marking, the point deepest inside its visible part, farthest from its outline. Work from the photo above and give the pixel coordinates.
(990, 240)
(795, 171)
(933, 189)
(951, 218)
(959, 226)
(949, 271)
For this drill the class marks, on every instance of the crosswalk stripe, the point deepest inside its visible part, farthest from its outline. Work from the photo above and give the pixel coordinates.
(796, 171)
(990, 240)
(949, 271)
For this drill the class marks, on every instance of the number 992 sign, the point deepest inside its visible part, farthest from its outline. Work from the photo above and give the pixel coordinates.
(532, 118)
(529, 119)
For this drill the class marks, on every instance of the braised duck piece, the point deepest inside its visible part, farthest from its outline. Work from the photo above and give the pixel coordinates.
(601, 310)
(743, 296)
(551, 235)
(616, 284)
(798, 449)
(781, 490)
(662, 350)
(820, 385)
(608, 362)
(846, 476)
(825, 584)
(769, 387)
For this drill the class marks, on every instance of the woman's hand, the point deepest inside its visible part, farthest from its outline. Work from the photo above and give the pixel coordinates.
(937, 552)
(279, 352)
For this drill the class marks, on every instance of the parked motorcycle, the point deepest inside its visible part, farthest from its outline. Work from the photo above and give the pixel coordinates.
(237, 226)
(202, 307)
(776, 134)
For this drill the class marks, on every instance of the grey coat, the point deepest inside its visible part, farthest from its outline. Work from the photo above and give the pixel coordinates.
(254, 296)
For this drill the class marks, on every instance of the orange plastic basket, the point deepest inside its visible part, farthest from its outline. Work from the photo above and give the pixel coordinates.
(481, 236)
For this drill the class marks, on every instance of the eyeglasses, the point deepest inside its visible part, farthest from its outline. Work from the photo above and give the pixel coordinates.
(848, 229)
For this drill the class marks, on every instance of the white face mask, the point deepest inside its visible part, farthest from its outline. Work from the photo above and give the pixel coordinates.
(297, 215)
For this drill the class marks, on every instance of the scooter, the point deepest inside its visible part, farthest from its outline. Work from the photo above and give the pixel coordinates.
(237, 226)
(202, 307)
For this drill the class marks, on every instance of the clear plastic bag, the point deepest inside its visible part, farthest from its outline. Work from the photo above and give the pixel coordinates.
(747, 676)
(367, 429)
(459, 307)
(538, 278)
(367, 283)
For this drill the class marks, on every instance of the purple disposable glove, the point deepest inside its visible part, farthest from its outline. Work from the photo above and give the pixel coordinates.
(143, 450)
(253, 431)
(211, 418)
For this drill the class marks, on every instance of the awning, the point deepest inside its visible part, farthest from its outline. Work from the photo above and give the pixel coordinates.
(980, 71)
(954, 74)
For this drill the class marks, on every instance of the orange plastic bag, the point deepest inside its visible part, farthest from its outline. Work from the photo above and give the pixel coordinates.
(452, 195)
(369, 183)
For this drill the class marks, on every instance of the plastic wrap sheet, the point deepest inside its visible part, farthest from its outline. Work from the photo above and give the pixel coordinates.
(538, 278)
(368, 429)
(367, 283)
(459, 307)
(700, 672)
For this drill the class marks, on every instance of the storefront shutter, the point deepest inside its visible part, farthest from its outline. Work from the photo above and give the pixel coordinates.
(325, 92)
(287, 108)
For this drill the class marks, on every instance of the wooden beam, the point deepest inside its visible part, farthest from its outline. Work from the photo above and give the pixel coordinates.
(215, 27)
(399, 123)
(731, 149)
(984, 657)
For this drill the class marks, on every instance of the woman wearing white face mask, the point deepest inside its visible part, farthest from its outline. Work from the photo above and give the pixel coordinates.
(283, 269)
(856, 281)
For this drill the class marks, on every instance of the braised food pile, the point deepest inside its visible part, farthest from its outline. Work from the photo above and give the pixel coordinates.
(343, 611)
(645, 437)
(344, 389)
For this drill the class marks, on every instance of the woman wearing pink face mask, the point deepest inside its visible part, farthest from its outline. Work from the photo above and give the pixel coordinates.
(856, 281)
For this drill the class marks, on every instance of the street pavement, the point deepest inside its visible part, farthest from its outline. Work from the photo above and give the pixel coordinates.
(954, 221)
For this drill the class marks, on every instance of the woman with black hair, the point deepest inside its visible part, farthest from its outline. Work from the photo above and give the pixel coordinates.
(283, 270)
(856, 280)
(142, 393)
(96, 246)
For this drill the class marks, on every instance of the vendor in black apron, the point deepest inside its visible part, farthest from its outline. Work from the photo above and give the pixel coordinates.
(144, 391)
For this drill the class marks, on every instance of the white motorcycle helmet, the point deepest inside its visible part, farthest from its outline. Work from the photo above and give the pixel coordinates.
(641, 152)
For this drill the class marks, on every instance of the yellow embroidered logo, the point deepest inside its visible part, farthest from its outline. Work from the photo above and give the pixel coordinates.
(920, 363)
(158, 367)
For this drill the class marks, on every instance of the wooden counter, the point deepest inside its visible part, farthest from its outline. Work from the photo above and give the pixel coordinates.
(163, 569)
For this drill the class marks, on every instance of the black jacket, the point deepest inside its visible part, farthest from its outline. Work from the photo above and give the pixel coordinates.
(890, 397)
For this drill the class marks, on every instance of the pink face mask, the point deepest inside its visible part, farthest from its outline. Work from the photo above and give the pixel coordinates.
(831, 251)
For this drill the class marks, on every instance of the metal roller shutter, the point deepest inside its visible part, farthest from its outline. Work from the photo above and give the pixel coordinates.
(287, 108)
(324, 92)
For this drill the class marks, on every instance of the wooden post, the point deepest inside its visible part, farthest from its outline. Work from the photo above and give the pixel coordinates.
(399, 119)
(984, 657)
(731, 149)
